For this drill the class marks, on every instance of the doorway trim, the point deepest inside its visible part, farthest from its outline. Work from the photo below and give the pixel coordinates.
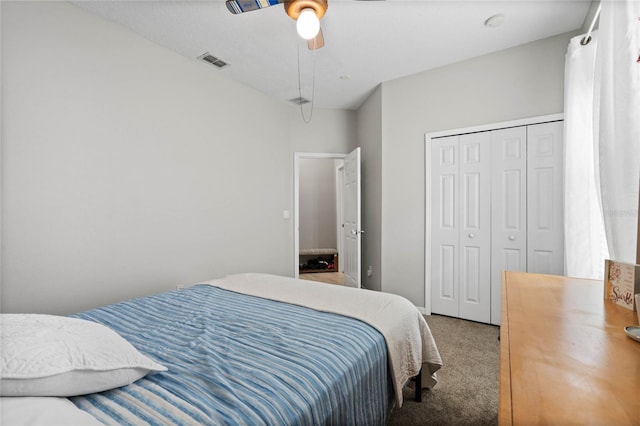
(339, 174)
(297, 156)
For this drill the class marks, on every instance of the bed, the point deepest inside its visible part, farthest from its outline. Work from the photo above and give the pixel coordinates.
(256, 349)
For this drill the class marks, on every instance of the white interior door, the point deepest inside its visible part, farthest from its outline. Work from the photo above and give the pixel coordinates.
(461, 226)
(545, 231)
(525, 206)
(475, 227)
(445, 227)
(509, 209)
(352, 224)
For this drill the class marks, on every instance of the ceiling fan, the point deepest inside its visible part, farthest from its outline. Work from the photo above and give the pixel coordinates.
(307, 14)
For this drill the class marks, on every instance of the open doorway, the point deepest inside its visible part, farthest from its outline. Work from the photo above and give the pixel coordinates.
(319, 217)
(348, 229)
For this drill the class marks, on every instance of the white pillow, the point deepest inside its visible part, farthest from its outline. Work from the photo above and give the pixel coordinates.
(47, 355)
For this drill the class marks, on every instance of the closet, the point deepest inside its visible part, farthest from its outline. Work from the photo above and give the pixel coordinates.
(496, 203)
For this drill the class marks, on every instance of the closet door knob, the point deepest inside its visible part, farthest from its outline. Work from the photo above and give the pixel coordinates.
(512, 237)
(471, 235)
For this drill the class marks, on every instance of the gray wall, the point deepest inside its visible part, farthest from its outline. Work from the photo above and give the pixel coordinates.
(128, 169)
(330, 130)
(520, 82)
(317, 180)
(370, 140)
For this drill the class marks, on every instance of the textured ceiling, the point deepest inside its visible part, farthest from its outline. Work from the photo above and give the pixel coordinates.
(367, 42)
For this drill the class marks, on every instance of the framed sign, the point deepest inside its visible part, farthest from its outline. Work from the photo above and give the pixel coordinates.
(621, 283)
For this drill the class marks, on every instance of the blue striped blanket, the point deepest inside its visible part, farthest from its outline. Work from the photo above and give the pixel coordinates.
(243, 360)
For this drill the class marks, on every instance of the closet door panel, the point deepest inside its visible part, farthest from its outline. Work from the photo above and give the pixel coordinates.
(471, 283)
(447, 272)
(445, 226)
(511, 191)
(545, 198)
(512, 260)
(508, 207)
(475, 227)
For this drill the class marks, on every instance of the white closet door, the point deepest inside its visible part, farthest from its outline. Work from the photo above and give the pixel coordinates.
(474, 281)
(545, 233)
(508, 208)
(444, 234)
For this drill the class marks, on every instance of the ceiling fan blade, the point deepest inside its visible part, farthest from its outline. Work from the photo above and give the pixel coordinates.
(317, 42)
(241, 6)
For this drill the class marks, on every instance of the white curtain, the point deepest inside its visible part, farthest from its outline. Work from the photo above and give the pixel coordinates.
(602, 142)
(617, 127)
(585, 242)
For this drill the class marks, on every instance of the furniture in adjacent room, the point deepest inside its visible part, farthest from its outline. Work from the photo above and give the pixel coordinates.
(318, 260)
(564, 354)
(495, 197)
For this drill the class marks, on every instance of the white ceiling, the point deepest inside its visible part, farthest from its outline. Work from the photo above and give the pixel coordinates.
(367, 42)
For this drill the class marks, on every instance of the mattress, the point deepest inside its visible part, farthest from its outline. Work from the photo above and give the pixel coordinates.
(238, 359)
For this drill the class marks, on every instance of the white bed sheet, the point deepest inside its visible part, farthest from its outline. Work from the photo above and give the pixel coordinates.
(41, 411)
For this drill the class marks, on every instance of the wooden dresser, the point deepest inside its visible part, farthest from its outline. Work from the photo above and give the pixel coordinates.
(564, 355)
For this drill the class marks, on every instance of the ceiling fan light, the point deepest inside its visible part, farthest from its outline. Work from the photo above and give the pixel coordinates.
(308, 24)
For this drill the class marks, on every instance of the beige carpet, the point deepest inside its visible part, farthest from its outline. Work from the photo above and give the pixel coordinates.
(467, 389)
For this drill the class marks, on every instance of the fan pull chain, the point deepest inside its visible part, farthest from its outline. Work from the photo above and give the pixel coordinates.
(313, 86)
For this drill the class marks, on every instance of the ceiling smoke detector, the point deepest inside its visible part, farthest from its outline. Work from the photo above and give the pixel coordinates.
(207, 57)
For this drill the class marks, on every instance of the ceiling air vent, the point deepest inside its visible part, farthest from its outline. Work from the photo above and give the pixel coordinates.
(213, 60)
(299, 101)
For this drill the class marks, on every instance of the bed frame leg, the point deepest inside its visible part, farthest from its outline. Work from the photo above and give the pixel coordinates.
(418, 389)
